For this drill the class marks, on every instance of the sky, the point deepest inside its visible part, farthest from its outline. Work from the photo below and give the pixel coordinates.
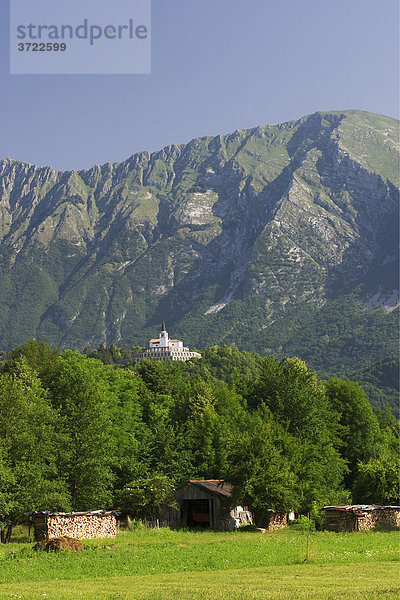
(217, 66)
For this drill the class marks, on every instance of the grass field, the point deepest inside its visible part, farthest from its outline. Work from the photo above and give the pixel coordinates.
(182, 565)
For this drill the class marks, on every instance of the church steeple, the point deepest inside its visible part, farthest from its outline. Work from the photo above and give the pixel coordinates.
(163, 336)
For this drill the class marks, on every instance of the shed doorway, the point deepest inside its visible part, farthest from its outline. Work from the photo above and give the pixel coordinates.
(199, 513)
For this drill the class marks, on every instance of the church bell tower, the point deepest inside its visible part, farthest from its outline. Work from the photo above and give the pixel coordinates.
(163, 336)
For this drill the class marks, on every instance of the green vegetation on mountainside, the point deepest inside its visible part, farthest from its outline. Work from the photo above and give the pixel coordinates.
(280, 239)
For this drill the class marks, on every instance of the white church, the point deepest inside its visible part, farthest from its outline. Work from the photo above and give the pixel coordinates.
(162, 348)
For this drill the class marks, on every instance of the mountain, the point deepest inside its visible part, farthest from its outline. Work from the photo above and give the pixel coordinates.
(380, 382)
(281, 239)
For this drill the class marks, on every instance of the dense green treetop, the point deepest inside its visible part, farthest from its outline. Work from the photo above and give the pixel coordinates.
(79, 434)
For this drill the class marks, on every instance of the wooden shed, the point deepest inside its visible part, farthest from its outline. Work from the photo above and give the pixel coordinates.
(361, 517)
(208, 503)
(80, 525)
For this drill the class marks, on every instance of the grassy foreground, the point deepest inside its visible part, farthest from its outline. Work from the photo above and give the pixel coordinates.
(169, 565)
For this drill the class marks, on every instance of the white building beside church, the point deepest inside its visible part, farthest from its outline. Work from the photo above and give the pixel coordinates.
(162, 348)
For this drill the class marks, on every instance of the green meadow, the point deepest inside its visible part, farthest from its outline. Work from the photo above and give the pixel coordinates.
(168, 565)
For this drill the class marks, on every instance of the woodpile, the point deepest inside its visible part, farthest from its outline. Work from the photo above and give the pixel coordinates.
(340, 521)
(379, 519)
(361, 517)
(277, 520)
(87, 525)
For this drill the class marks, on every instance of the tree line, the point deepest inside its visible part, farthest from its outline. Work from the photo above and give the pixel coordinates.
(78, 434)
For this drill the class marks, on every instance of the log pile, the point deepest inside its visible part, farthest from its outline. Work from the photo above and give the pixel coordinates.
(379, 519)
(277, 520)
(361, 517)
(88, 525)
(340, 521)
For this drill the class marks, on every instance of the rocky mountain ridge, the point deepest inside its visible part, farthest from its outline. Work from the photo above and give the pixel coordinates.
(230, 238)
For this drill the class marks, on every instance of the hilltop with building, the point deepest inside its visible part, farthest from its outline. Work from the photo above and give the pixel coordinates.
(163, 348)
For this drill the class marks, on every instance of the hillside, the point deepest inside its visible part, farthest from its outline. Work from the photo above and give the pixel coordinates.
(280, 239)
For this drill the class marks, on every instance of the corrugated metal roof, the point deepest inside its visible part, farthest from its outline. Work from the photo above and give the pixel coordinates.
(49, 513)
(215, 486)
(359, 509)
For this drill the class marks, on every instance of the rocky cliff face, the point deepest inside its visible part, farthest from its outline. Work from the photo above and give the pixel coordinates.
(222, 236)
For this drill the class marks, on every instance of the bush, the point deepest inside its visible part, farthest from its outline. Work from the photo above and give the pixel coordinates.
(302, 523)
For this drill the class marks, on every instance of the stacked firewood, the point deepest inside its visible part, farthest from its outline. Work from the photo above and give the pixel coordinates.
(361, 518)
(379, 519)
(83, 526)
(277, 520)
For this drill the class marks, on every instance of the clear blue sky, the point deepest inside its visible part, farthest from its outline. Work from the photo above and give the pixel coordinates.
(217, 65)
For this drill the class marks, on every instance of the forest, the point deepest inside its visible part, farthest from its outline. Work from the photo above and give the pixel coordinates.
(79, 434)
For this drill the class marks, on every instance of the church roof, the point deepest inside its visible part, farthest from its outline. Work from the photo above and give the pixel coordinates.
(156, 341)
